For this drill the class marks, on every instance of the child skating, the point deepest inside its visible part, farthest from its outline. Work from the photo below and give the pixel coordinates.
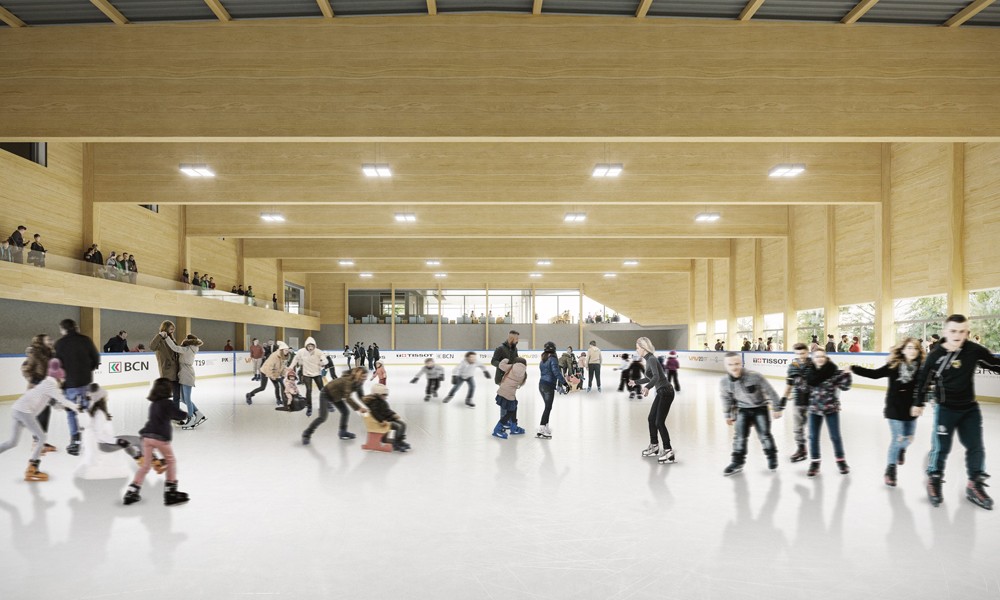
(294, 400)
(156, 435)
(463, 374)
(514, 376)
(379, 373)
(378, 406)
(745, 395)
(434, 375)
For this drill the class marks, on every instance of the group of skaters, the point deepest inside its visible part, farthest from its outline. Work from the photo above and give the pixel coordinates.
(61, 373)
(360, 356)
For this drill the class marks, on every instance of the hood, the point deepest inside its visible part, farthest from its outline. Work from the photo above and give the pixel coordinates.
(282, 346)
(309, 340)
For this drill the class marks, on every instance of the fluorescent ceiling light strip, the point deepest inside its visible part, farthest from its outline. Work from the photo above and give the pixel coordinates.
(600, 171)
(346, 263)
(614, 170)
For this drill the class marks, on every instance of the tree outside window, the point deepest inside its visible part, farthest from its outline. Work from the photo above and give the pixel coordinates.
(809, 323)
(984, 316)
(858, 320)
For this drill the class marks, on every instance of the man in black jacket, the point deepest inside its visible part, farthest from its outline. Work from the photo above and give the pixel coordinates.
(117, 343)
(506, 350)
(951, 369)
(79, 359)
(17, 244)
(831, 346)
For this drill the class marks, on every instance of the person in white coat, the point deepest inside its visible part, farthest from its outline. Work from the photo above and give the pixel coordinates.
(463, 374)
(313, 362)
(186, 352)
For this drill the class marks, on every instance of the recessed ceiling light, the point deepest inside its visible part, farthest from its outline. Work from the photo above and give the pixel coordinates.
(197, 171)
(631, 263)
(406, 218)
(575, 217)
(440, 275)
(544, 263)
(346, 263)
(534, 275)
(433, 263)
(785, 170)
(707, 217)
(272, 217)
(609, 275)
(606, 170)
(366, 275)
(379, 170)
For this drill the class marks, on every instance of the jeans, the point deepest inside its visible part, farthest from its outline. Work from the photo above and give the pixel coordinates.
(186, 398)
(432, 386)
(745, 419)
(309, 381)
(816, 425)
(548, 393)
(278, 387)
(472, 388)
(801, 414)
(902, 435)
(78, 396)
(594, 370)
(658, 416)
(672, 378)
(399, 426)
(22, 420)
(969, 424)
(148, 445)
(324, 408)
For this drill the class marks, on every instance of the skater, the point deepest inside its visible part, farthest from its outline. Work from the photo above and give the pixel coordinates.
(745, 395)
(256, 358)
(312, 360)
(463, 374)
(370, 354)
(34, 369)
(515, 374)
(348, 356)
(508, 350)
(593, 366)
(379, 373)
(338, 392)
(294, 401)
(636, 371)
(902, 368)
(434, 375)
(378, 406)
(948, 377)
(97, 419)
(656, 379)
(156, 436)
(550, 378)
(79, 358)
(186, 353)
(672, 366)
(25, 410)
(567, 362)
(272, 370)
(166, 359)
(825, 383)
(623, 372)
(795, 383)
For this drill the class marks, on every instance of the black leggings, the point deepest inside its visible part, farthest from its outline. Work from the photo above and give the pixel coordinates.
(548, 393)
(658, 416)
(277, 388)
(308, 381)
(432, 386)
(324, 408)
(672, 378)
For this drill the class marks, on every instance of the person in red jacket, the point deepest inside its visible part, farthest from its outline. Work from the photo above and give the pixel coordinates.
(672, 365)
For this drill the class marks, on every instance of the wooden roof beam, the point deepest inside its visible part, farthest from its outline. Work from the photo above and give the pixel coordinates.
(110, 11)
(536, 9)
(858, 11)
(750, 10)
(973, 9)
(324, 6)
(432, 7)
(219, 10)
(640, 13)
(9, 18)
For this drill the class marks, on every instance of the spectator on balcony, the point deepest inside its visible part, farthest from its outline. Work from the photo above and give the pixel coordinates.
(240, 290)
(16, 241)
(196, 281)
(133, 269)
(111, 268)
(185, 277)
(274, 301)
(6, 253)
(117, 343)
(204, 281)
(250, 291)
(211, 283)
(233, 291)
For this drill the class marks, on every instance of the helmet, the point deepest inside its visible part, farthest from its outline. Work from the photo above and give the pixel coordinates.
(549, 347)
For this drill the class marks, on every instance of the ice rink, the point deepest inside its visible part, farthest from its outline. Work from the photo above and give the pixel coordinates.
(466, 515)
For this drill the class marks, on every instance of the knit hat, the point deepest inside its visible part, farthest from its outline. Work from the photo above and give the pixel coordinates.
(282, 346)
(380, 390)
(673, 353)
(56, 370)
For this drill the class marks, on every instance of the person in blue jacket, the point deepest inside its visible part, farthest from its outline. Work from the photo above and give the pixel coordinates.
(550, 378)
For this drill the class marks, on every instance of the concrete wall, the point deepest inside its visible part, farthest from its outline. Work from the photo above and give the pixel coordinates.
(417, 337)
(623, 337)
(261, 332)
(330, 337)
(462, 337)
(141, 327)
(214, 333)
(23, 320)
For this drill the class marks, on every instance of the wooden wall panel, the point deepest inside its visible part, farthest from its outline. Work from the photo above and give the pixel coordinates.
(982, 216)
(773, 276)
(46, 200)
(745, 281)
(921, 188)
(327, 298)
(217, 258)
(720, 289)
(262, 274)
(700, 290)
(152, 237)
(809, 255)
(855, 257)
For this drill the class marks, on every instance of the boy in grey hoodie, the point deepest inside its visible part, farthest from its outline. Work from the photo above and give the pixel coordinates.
(434, 375)
(745, 395)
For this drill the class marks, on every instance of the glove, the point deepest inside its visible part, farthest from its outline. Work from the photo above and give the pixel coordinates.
(486, 375)
(782, 403)
(414, 380)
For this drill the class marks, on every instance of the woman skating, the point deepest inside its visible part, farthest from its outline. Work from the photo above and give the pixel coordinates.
(551, 377)
(186, 352)
(656, 379)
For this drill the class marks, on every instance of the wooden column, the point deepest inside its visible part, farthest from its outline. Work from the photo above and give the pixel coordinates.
(710, 301)
(241, 264)
(791, 318)
(347, 314)
(486, 334)
(392, 316)
(579, 316)
(183, 328)
(885, 335)
(533, 315)
(733, 343)
(279, 334)
(90, 324)
(958, 294)
(758, 289)
(91, 209)
(183, 242)
(692, 322)
(241, 337)
(281, 285)
(831, 310)
(440, 314)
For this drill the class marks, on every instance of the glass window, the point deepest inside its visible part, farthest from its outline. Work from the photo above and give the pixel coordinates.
(919, 317)
(857, 320)
(984, 311)
(295, 298)
(510, 306)
(810, 324)
(774, 330)
(557, 306)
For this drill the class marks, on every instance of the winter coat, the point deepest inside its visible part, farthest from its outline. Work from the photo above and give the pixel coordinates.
(500, 353)
(274, 366)
(750, 390)
(312, 362)
(379, 408)
(37, 398)
(551, 374)
(166, 359)
(35, 367)
(256, 351)
(116, 344)
(465, 369)
(825, 384)
(567, 362)
(796, 377)
(79, 358)
(161, 412)
(593, 355)
(185, 357)
(514, 377)
(902, 382)
(434, 372)
(341, 388)
(673, 364)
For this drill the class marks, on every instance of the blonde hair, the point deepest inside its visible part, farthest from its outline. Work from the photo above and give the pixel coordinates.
(646, 345)
(896, 355)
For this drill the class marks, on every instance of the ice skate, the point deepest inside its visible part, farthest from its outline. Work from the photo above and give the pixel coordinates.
(800, 454)
(977, 495)
(666, 457)
(652, 450)
(890, 475)
(813, 469)
(499, 432)
(544, 433)
(346, 435)
(934, 481)
(172, 497)
(305, 439)
(842, 466)
(33, 474)
(470, 404)
(195, 420)
(249, 398)
(733, 468)
(131, 495)
(427, 398)
(772, 462)
(515, 429)
(446, 400)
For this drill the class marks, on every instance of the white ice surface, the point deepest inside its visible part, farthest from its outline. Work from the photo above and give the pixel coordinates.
(466, 515)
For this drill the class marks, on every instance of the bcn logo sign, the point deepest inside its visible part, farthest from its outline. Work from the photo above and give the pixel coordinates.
(127, 367)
